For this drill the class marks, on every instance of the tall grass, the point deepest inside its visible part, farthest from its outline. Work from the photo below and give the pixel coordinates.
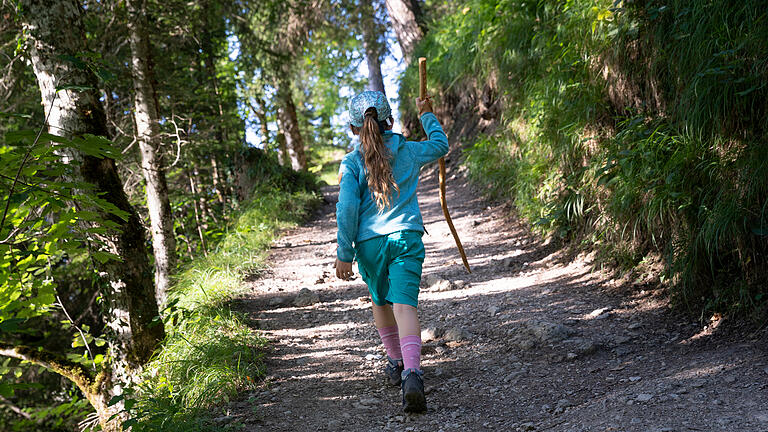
(633, 127)
(210, 354)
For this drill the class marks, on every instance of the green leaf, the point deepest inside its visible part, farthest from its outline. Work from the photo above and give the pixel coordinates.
(10, 325)
(77, 342)
(6, 390)
(103, 257)
(104, 74)
(96, 146)
(76, 61)
(115, 400)
(130, 422)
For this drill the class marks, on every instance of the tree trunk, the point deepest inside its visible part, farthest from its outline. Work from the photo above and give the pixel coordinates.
(147, 131)
(220, 129)
(374, 48)
(408, 22)
(262, 115)
(407, 19)
(282, 148)
(290, 124)
(218, 181)
(54, 30)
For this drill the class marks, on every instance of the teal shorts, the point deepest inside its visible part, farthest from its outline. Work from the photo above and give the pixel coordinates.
(391, 267)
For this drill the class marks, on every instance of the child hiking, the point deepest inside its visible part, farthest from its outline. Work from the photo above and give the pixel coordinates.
(380, 225)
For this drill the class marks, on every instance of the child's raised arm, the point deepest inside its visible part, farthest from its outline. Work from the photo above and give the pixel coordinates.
(436, 146)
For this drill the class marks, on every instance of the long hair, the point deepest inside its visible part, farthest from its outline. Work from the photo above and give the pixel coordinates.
(377, 158)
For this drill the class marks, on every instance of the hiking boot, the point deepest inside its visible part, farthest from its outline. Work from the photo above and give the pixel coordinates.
(392, 371)
(413, 391)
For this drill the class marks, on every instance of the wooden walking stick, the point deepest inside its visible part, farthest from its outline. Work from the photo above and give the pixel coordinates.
(441, 163)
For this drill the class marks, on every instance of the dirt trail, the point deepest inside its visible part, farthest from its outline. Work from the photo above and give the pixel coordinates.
(532, 340)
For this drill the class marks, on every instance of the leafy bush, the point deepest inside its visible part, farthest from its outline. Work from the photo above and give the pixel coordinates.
(632, 127)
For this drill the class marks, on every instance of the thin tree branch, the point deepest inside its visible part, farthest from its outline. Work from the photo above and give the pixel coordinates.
(75, 372)
(178, 142)
(125, 150)
(82, 335)
(15, 409)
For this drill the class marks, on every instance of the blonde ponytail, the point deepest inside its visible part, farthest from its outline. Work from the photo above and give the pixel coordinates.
(377, 158)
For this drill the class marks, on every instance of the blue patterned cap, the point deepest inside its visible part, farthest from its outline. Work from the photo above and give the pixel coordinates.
(365, 100)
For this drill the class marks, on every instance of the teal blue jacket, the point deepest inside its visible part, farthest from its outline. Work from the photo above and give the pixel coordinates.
(357, 216)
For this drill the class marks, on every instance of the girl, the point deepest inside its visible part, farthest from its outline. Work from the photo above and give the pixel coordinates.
(380, 224)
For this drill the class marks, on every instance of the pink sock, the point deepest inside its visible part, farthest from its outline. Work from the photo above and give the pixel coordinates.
(391, 342)
(411, 348)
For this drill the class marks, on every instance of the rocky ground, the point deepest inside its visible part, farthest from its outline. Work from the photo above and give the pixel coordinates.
(532, 340)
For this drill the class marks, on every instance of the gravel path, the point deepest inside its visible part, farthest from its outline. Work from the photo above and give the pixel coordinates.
(532, 340)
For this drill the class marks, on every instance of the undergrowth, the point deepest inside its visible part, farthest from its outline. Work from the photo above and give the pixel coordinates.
(327, 161)
(210, 355)
(636, 128)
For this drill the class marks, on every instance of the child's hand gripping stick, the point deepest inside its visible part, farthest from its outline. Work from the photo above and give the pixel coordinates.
(426, 104)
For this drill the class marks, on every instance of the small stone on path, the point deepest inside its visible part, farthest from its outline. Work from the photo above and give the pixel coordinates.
(599, 312)
(276, 301)
(644, 397)
(457, 334)
(430, 334)
(306, 297)
(532, 332)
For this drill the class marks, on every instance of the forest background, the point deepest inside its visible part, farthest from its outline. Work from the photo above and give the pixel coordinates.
(152, 150)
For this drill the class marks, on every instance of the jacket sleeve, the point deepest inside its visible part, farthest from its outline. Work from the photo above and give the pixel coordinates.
(435, 147)
(347, 211)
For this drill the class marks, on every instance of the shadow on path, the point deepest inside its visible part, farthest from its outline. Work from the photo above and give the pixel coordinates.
(533, 340)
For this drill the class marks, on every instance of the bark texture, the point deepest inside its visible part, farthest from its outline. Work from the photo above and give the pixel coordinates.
(300, 17)
(152, 166)
(221, 134)
(374, 48)
(54, 30)
(282, 149)
(262, 115)
(290, 124)
(408, 21)
(218, 180)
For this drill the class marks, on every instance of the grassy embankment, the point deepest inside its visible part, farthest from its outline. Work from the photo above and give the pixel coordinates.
(210, 354)
(637, 129)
